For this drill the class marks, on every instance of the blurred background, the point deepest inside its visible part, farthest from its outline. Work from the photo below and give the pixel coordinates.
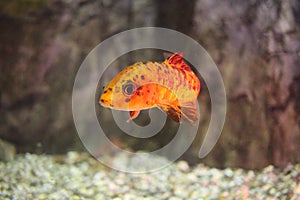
(255, 44)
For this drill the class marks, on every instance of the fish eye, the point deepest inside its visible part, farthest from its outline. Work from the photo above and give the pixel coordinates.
(129, 89)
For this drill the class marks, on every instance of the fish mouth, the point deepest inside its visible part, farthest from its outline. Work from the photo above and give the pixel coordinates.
(105, 100)
(104, 103)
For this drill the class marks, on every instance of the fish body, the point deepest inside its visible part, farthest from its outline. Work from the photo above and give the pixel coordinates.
(171, 86)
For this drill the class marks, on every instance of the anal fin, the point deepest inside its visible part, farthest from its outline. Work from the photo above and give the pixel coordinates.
(188, 111)
(172, 112)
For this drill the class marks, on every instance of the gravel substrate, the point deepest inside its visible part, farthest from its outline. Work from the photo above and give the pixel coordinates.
(78, 176)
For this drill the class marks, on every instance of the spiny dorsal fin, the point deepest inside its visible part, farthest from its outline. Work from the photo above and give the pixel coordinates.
(176, 60)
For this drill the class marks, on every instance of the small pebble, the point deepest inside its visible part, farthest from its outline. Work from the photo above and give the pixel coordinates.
(183, 166)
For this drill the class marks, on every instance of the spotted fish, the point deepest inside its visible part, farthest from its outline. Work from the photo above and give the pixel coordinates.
(171, 86)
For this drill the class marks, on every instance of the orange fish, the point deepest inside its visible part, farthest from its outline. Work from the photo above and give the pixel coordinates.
(171, 86)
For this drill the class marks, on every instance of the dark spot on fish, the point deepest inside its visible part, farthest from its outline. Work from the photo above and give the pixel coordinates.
(147, 102)
(138, 91)
(103, 87)
(143, 77)
(105, 91)
(102, 100)
(111, 105)
(127, 100)
(148, 91)
(110, 89)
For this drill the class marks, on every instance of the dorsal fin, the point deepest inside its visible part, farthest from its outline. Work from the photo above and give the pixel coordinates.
(176, 60)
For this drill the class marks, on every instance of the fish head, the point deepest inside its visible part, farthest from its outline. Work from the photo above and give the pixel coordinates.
(125, 91)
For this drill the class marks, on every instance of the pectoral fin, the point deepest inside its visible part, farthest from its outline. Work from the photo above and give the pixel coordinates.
(133, 114)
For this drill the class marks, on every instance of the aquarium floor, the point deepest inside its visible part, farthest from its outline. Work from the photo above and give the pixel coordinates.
(79, 176)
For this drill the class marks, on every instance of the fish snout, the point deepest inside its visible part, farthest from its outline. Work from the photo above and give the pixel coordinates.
(105, 100)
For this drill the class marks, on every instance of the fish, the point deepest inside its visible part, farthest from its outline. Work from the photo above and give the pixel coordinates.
(170, 85)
